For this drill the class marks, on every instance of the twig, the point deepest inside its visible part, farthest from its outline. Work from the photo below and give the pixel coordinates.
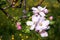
(6, 13)
(24, 11)
(58, 1)
(20, 3)
(37, 5)
(40, 3)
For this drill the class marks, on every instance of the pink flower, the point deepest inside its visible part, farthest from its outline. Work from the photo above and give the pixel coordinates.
(51, 17)
(18, 26)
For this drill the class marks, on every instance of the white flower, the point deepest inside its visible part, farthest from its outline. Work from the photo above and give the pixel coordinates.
(43, 25)
(29, 23)
(44, 34)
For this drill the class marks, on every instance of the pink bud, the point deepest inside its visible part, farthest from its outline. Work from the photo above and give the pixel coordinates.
(51, 17)
(18, 26)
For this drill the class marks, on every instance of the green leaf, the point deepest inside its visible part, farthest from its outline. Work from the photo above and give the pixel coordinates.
(52, 22)
(27, 31)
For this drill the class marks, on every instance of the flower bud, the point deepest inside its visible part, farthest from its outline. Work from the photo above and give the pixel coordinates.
(18, 25)
(51, 17)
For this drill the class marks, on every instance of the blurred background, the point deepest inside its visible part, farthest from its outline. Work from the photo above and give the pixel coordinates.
(11, 12)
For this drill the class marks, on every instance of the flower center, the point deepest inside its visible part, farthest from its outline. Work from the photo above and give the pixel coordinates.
(40, 24)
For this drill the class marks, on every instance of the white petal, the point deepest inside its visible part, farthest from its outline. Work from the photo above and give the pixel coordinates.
(48, 27)
(42, 9)
(32, 27)
(35, 12)
(45, 23)
(45, 7)
(33, 8)
(42, 14)
(35, 18)
(38, 27)
(39, 7)
(42, 19)
(29, 23)
(40, 30)
(44, 34)
(45, 11)
(44, 27)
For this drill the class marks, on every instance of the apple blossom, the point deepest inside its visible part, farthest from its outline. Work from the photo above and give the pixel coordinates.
(42, 25)
(39, 22)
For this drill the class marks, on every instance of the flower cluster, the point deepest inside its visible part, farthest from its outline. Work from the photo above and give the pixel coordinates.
(39, 22)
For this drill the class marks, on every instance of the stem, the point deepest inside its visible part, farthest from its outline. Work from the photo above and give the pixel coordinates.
(24, 7)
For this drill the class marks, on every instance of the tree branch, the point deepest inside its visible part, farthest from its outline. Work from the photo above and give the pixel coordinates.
(24, 11)
(6, 13)
(58, 1)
